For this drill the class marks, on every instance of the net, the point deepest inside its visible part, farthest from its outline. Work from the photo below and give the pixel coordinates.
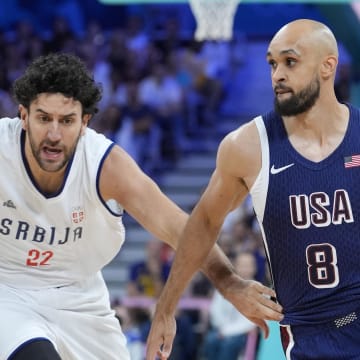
(214, 18)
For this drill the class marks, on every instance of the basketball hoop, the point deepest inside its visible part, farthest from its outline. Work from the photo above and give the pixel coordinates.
(214, 18)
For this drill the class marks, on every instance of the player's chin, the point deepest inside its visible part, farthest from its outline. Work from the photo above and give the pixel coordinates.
(52, 165)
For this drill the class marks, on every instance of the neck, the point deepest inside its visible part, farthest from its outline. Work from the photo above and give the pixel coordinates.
(323, 118)
(317, 133)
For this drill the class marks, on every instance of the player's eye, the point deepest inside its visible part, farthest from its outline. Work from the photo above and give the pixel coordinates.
(290, 62)
(67, 121)
(44, 118)
(272, 64)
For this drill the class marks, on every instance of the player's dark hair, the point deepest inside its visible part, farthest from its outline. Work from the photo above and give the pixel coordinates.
(58, 73)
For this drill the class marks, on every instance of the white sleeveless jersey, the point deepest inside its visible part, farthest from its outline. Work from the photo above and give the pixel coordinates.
(53, 241)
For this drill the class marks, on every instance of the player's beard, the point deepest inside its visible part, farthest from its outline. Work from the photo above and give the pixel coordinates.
(47, 165)
(299, 102)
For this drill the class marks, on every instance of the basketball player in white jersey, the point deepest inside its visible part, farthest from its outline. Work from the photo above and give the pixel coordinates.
(63, 190)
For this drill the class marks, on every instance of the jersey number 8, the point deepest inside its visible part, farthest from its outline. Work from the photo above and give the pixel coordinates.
(322, 265)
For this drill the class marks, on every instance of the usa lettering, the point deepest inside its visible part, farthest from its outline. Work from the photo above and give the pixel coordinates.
(21, 230)
(320, 210)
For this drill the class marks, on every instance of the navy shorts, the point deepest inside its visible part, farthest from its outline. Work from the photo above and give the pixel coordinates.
(338, 339)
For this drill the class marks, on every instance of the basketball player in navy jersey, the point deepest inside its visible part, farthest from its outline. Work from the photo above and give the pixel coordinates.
(301, 165)
(63, 189)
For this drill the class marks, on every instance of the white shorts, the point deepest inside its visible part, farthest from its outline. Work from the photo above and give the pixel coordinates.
(77, 319)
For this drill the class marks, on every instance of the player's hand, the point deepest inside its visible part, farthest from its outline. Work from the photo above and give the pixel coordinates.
(254, 301)
(161, 336)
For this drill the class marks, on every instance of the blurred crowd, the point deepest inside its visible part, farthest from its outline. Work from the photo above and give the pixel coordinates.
(157, 91)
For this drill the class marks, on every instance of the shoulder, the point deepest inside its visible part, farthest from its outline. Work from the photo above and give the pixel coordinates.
(240, 144)
(9, 122)
(239, 154)
(95, 142)
(93, 135)
(242, 136)
(9, 127)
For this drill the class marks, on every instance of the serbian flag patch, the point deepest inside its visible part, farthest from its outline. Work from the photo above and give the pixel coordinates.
(352, 161)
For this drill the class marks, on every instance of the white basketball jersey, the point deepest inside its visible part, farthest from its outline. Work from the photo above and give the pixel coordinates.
(50, 241)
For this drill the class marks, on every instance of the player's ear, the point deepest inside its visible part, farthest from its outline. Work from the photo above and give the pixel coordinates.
(85, 121)
(328, 67)
(23, 115)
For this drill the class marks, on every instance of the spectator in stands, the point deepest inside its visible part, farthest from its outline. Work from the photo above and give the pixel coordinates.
(36, 48)
(147, 277)
(132, 129)
(168, 39)
(14, 63)
(108, 121)
(203, 93)
(344, 75)
(114, 87)
(137, 39)
(112, 68)
(145, 132)
(135, 324)
(216, 56)
(24, 33)
(61, 35)
(7, 105)
(163, 94)
(343, 82)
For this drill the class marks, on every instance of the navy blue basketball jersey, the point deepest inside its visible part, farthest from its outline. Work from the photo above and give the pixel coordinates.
(309, 215)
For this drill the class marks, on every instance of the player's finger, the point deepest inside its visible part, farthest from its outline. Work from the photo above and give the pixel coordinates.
(162, 356)
(268, 299)
(166, 347)
(272, 305)
(266, 312)
(267, 291)
(152, 350)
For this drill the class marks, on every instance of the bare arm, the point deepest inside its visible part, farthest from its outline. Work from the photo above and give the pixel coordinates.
(238, 163)
(121, 179)
(225, 191)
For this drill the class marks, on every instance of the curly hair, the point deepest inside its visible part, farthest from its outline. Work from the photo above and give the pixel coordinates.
(58, 73)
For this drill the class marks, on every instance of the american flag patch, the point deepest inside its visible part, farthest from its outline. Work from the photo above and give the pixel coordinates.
(352, 161)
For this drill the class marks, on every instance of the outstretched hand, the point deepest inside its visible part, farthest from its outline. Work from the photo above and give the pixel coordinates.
(254, 301)
(161, 336)
(250, 297)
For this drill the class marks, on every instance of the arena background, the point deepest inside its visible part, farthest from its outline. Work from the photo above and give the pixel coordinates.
(254, 24)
